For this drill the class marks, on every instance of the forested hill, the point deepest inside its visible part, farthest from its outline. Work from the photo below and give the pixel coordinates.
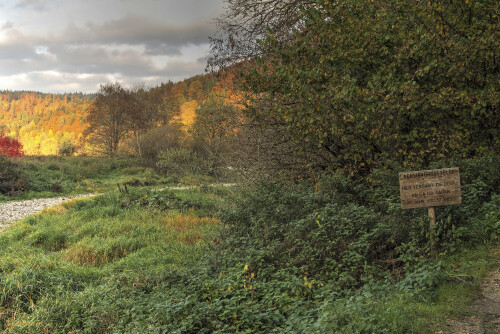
(44, 123)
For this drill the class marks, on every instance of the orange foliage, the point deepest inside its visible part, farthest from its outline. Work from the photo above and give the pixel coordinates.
(42, 121)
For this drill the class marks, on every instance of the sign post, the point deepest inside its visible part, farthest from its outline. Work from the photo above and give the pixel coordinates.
(430, 188)
(432, 221)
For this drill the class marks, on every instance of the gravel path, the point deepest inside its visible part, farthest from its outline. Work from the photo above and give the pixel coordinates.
(12, 211)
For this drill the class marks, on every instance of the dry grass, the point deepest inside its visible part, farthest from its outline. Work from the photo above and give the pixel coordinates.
(84, 255)
(190, 229)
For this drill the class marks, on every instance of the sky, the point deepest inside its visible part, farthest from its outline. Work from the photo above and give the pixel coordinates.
(57, 46)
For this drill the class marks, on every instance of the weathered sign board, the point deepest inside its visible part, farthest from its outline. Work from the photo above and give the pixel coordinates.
(429, 188)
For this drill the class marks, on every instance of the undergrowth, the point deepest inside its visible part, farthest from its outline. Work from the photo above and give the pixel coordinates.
(39, 177)
(339, 256)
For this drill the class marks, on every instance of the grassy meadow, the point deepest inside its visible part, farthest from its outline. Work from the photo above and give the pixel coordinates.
(51, 176)
(337, 256)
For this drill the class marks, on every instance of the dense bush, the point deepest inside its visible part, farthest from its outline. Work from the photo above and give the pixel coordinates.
(349, 230)
(159, 139)
(12, 179)
(181, 162)
(10, 147)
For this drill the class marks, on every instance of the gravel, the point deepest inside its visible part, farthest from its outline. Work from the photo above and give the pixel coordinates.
(13, 211)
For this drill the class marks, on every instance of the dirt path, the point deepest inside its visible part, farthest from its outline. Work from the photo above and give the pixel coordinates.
(484, 314)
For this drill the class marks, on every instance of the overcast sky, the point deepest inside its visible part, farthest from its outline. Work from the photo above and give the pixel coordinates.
(74, 45)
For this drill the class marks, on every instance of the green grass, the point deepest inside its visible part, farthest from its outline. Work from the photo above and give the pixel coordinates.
(465, 273)
(137, 263)
(51, 176)
(57, 176)
(161, 262)
(77, 257)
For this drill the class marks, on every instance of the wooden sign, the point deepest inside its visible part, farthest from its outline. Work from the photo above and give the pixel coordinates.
(429, 188)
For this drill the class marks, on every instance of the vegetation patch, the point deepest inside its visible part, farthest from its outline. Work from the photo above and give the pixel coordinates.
(338, 256)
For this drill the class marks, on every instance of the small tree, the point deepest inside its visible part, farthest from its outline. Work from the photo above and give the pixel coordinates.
(10, 147)
(215, 129)
(66, 148)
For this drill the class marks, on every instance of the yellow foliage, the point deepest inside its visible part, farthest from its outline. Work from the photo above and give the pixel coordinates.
(188, 113)
(182, 223)
(188, 227)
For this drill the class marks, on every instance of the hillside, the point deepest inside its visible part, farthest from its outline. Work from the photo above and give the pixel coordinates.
(43, 122)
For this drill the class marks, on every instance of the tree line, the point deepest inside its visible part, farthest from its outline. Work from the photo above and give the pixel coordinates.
(303, 86)
(197, 115)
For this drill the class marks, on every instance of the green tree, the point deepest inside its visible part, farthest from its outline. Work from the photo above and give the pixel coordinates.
(371, 82)
(215, 129)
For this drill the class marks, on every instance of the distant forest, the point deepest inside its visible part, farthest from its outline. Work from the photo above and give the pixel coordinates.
(45, 123)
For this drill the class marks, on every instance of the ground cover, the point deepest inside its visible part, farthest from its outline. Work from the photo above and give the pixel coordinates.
(338, 256)
(51, 176)
(82, 264)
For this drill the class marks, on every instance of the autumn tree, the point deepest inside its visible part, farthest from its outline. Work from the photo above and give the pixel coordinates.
(195, 90)
(40, 121)
(10, 147)
(110, 118)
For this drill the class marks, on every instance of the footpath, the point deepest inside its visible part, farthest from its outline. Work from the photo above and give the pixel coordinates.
(483, 316)
(12, 211)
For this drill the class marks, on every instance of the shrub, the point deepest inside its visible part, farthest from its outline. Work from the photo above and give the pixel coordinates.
(12, 179)
(10, 147)
(66, 148)
(350, 230)
(277, 226)
(181, 162)
(159, 139)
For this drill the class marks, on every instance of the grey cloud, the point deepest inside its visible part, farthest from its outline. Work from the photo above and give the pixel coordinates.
(202, 60)
(181, 69)
(100, 59)
(64, 82)
(110, 40)
(159, 38)
(158, 49)
(18, 46)
(37, 5)
(6, 26)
